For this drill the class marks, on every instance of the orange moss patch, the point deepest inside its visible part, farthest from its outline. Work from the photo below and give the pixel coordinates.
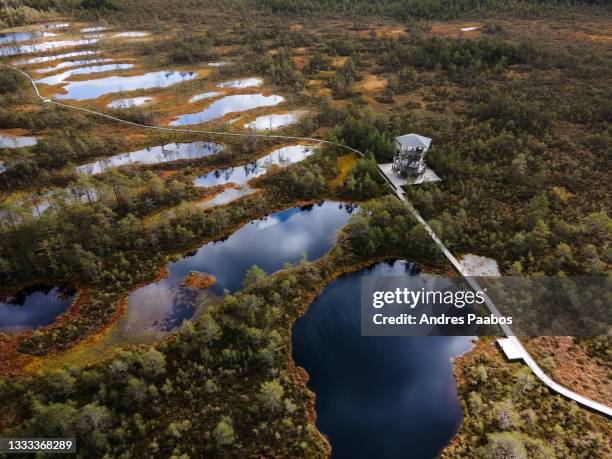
(517, 75)
(296, 27)
(594, 31)
(345, 164)
(317, 85)
(223, 49)
(82, 298)
(573, 367)
(135, 137)
(301, 377)
(384, 31)
(199, 280)
(339, 61)
(562, 193)
(167, 174)
(470, 359)
(76, 355)
(14, 131)
(372, 83)
(10, 358)
(300, 61)
(602, 38)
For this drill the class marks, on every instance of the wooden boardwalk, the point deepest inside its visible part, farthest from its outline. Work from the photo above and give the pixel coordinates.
(513, 344)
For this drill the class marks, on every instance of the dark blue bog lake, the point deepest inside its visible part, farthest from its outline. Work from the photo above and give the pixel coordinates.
(269, 242)
(376, 397)
(33, 307)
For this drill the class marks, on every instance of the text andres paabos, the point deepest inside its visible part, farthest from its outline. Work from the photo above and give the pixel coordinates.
(415, 298)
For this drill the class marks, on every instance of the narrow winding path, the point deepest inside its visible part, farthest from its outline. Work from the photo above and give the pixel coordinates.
(526, 357)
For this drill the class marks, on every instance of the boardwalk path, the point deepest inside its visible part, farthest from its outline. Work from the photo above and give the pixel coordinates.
(515, 342)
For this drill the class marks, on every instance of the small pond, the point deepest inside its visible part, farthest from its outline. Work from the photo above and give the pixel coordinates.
(154, 155)
(274, 121)
(91, 89)
(226, 196)
(56, 57)
(228, 104)
(56, 25)
(269, 243)
(16, 141)
(13, 37)
(61, 77)
(68, 64)
(98, 35)
(33, 307)
(130, 102)
(204, 95)
(41, 47)
(242, 174)
(131, 34)
(382, 397)
(241, 83)
(94, 29)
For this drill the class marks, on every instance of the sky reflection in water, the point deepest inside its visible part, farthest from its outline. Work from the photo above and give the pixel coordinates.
(90, 89)
(382, 397)
(268, 243)
(34, 307)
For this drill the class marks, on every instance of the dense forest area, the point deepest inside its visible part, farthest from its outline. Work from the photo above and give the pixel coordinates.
(420, 9)
(16, 12)
(512, 414)
(19, 12)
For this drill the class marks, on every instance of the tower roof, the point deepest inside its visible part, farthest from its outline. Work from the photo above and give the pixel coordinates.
(413, 141)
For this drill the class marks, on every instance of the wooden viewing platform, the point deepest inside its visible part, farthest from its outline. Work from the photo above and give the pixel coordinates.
(428, 175)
